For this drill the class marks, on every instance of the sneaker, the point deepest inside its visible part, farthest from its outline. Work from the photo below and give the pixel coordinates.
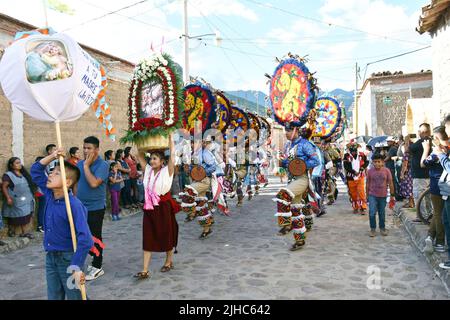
(40, 229)
(428, 245)
(372, 233)
(88, 269)
(445, 265)
(439, 248)
(384, 232)
(94, 274)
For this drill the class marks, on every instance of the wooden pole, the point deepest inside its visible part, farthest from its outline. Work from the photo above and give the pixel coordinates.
(66, 200)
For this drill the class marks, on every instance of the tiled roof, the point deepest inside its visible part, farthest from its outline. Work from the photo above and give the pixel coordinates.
(431, 15)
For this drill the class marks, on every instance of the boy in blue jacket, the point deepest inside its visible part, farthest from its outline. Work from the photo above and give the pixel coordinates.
(63, 266)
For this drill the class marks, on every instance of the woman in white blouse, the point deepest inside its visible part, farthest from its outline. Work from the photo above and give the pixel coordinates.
(160, 228)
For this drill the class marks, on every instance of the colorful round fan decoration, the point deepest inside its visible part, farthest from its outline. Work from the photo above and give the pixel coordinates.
(239, 120)
(292, 92)
(328, 117)
(155, 107)
(254, 123)
(200, 105)
(223, 116)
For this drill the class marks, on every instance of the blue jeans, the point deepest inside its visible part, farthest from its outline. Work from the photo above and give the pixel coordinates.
(56, 264)
(446, 220)
(377, 204)
(41, 211)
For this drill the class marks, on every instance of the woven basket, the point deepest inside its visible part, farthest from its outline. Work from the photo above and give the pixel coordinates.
(153, 143)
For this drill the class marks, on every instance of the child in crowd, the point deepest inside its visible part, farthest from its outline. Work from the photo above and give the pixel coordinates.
(140, 184)
(115, 181)
(62, 264)
(379, 178)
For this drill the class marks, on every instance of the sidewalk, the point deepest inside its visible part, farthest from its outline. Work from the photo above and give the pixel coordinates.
(418, 232)
(16, 243)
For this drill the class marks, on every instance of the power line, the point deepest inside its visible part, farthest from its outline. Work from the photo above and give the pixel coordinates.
(393, 57)
(116, 12)
(329, 23)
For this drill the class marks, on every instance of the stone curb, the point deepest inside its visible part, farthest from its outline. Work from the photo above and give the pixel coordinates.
(417, 233)
(16, 243)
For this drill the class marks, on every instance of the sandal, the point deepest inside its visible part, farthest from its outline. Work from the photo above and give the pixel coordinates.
(204, 235)
(142, 275)
(167, 268)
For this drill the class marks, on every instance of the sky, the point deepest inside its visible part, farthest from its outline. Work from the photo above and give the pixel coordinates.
(333, 34)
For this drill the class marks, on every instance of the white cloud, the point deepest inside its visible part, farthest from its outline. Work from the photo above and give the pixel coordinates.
(215, 7)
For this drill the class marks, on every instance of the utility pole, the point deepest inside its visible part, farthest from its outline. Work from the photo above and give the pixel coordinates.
(44, 3)
(355, 108)
(257, 102)
(186, 42)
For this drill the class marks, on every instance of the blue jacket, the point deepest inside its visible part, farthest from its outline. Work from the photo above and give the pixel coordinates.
(435, 171)
(207, 161)
(57, 235)
(306, 151)
(445, 162)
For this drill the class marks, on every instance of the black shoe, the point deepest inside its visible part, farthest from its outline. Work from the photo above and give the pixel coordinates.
(204, 235)
(40, 229)
(2, 243)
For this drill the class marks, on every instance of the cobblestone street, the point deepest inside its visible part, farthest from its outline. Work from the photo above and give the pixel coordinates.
(245, 259)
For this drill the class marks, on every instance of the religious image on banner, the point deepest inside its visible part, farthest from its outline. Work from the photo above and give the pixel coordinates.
(47, 60)
(152, 101)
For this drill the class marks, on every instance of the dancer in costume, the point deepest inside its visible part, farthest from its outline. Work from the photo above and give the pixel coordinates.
(355, 164)
(251, 165)
(194, 200)
(289, 207)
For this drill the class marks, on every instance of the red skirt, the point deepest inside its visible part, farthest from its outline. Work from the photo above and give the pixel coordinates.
(160, 228)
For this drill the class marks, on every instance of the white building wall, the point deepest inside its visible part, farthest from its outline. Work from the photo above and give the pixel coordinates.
(441, 66)
(365, 112)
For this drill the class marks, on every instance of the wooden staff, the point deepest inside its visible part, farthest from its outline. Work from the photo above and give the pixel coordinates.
(66, 200)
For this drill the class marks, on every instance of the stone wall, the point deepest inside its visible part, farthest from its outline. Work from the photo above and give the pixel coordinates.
(441, 65)
(391, 116)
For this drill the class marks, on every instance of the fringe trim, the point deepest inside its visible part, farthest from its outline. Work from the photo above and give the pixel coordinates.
(301, 230)
(201, 218)
(283, 214)
(289, 192)
(201, 199)
(281, 201)
(191, 188)
(186, 205)
(300, 217)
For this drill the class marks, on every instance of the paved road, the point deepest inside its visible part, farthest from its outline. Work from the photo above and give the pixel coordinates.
(245, 259)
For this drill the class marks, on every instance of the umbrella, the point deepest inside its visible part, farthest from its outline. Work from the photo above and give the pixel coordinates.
(363, 139)
(378, 141)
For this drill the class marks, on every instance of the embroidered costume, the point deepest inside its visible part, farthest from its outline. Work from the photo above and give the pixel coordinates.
(290, 210)
(355, 164)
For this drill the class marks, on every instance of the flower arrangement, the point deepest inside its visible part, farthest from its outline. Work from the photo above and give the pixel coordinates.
(159, 69)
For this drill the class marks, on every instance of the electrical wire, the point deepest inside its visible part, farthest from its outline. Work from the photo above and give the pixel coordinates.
(116, 12)
(393, 57)
(329, 23)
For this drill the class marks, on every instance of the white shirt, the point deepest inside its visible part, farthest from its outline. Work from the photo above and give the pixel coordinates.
(163, 183)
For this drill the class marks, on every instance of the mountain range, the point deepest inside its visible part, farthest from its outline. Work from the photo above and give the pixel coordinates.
(252, 100)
